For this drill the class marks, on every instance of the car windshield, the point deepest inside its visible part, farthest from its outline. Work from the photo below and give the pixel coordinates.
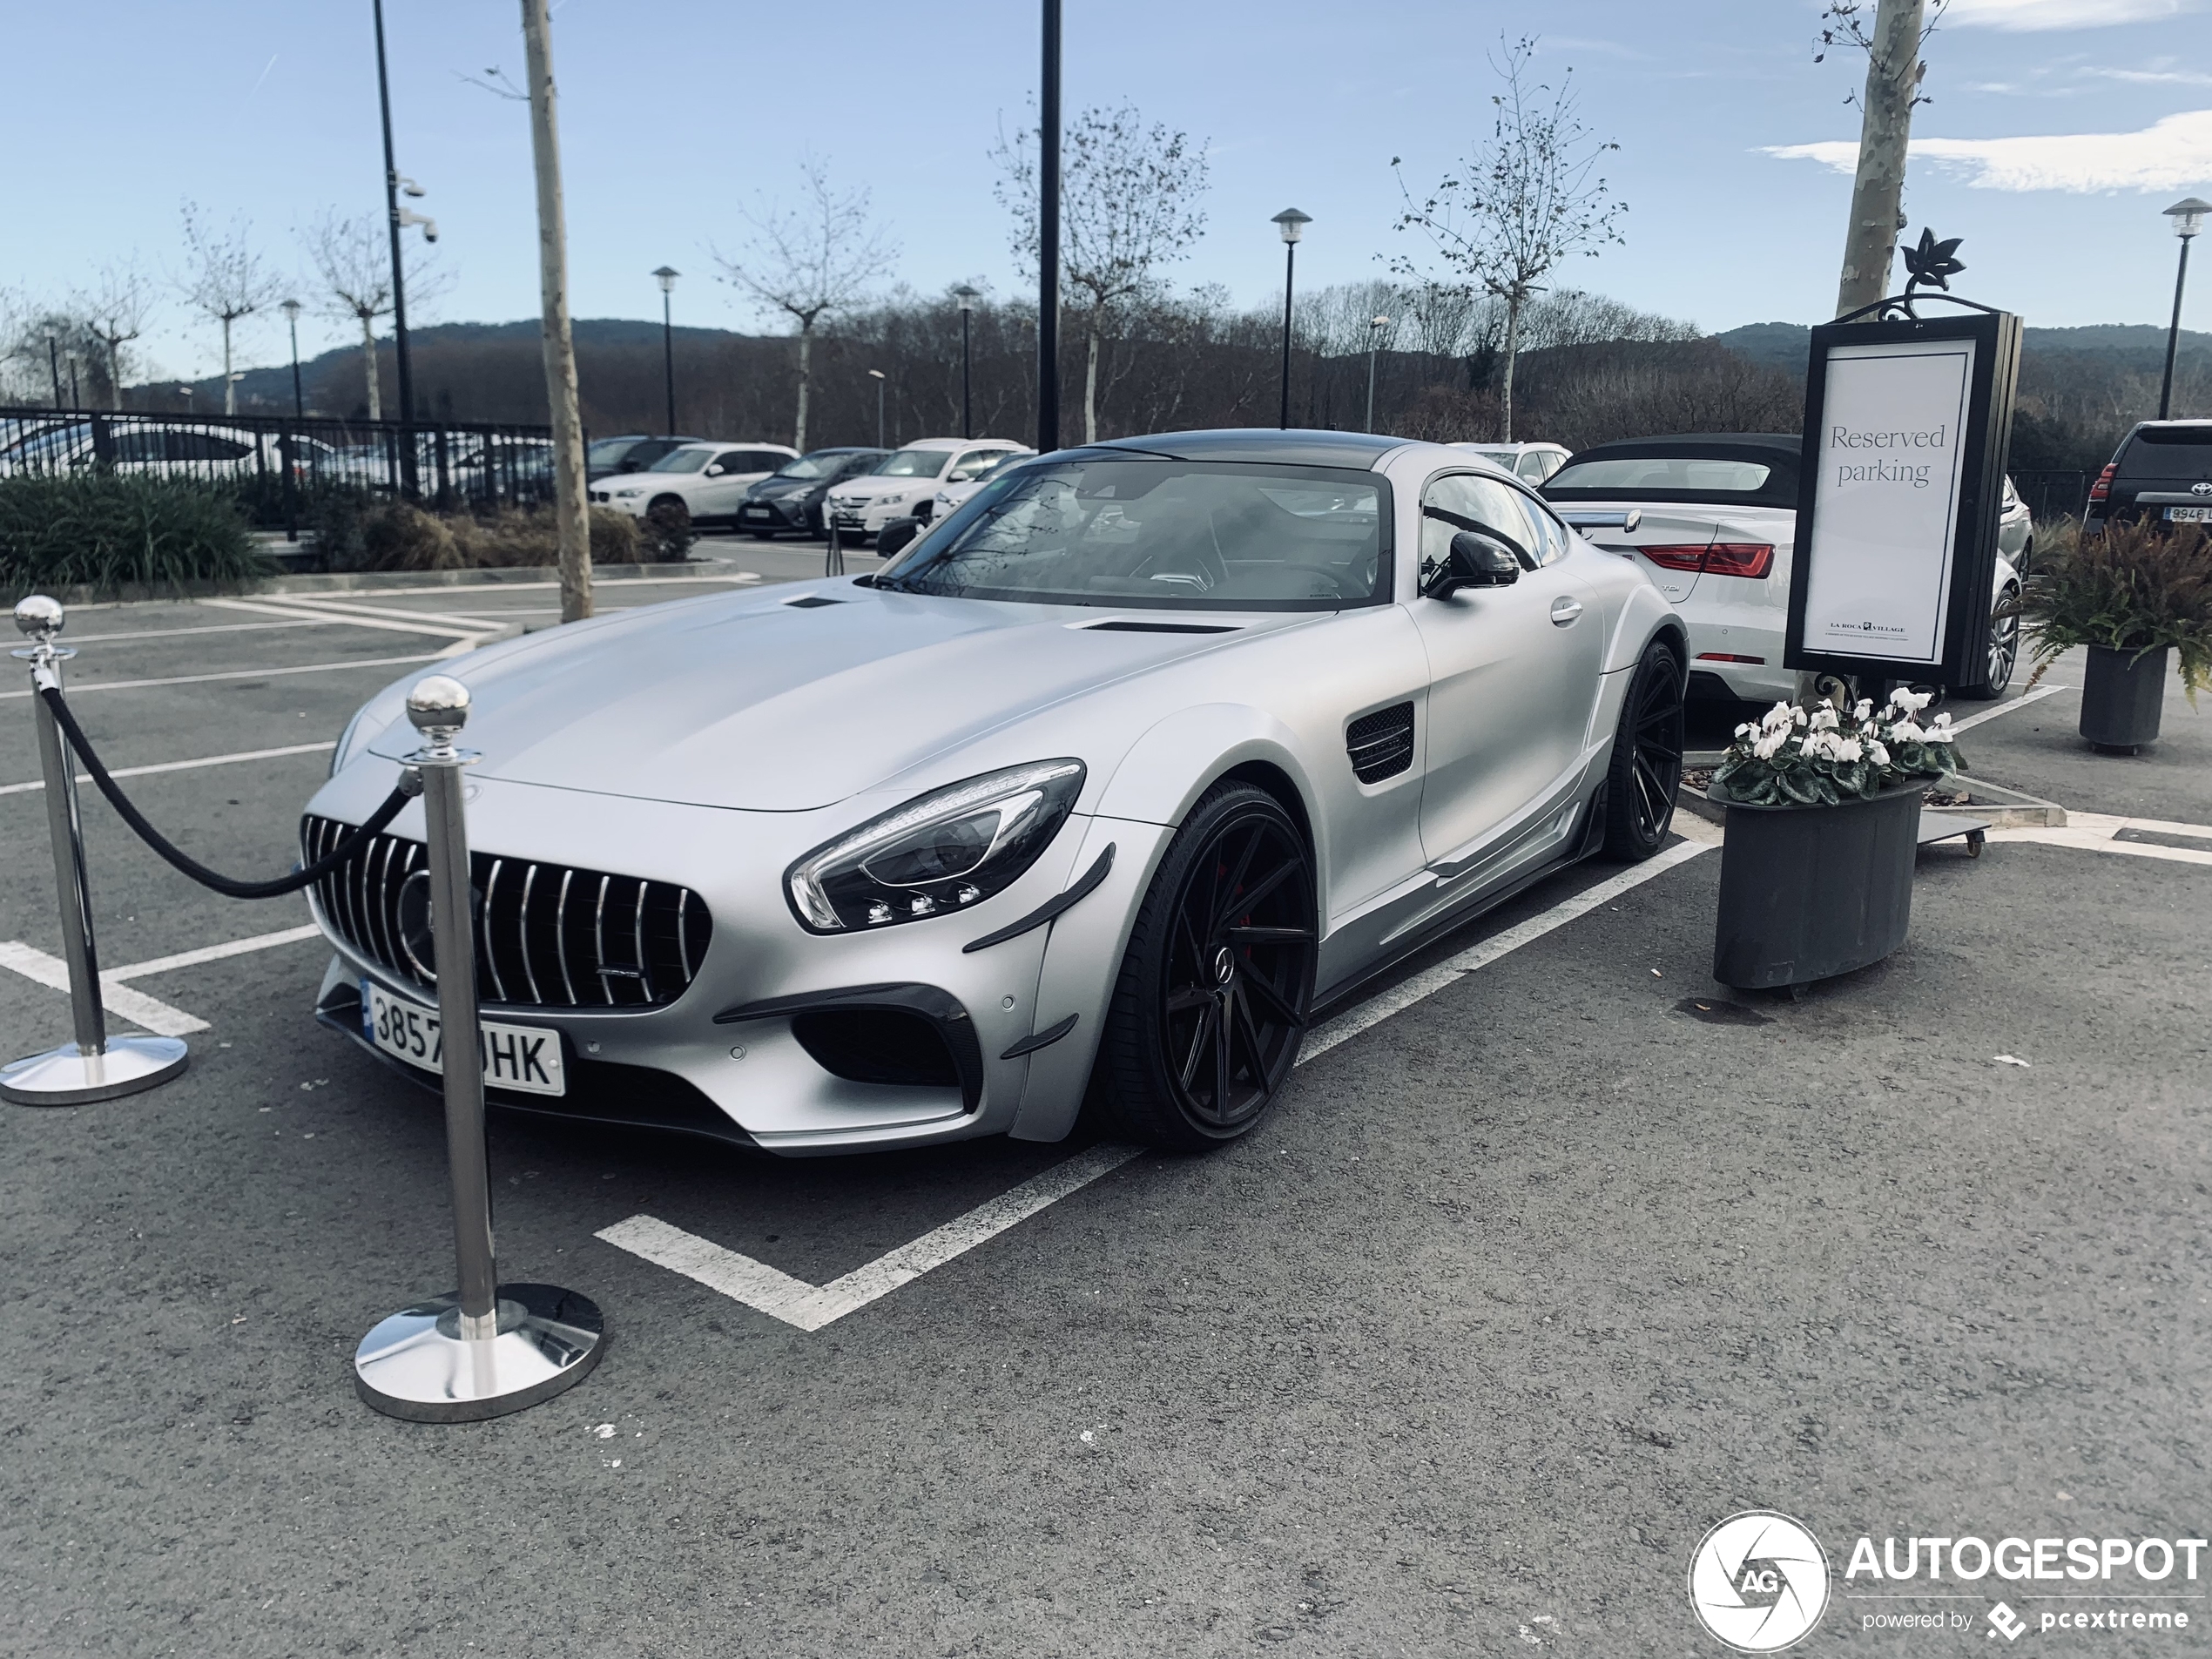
(1632, 473)
(913, 463)
(2169, 452)
(682, 461)
(821, 464)
(1186, 534)
(608, 452)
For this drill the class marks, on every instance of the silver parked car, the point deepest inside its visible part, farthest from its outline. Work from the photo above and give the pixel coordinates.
(1146, 751)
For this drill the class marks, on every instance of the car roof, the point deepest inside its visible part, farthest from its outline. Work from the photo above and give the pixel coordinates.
(1293, 447)
(850, 449)
(1694, 444)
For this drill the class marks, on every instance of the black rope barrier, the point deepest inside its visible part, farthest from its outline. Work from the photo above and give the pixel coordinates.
(192, 867)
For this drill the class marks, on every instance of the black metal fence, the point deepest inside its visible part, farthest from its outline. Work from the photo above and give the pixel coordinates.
(276, 465)
(2053, 495)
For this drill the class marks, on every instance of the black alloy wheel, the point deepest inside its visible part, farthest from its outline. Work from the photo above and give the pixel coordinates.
(1211, 1007)
(1646, 768)
(2003, 650)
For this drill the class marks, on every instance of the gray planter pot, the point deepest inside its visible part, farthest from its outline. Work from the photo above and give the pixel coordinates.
(1811, 892)
(2123, 697)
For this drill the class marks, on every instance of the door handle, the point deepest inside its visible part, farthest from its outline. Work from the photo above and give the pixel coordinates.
(1564, 610)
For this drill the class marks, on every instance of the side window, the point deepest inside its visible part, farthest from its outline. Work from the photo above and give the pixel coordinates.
(1552, 536)
(970, 464)
(761, 461)
(1530, 468)
(734, 460)
(1463, 501)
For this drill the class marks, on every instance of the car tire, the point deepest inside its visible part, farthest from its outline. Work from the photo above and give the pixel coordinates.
(2004, 654)
(1646, 769)
(1210, 1008)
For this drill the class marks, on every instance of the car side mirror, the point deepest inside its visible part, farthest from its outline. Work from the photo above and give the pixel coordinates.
(1475, 561)
(714, 472)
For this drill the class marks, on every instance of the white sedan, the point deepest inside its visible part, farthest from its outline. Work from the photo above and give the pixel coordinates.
(1716, 531)
(707, 480)
(906, 479)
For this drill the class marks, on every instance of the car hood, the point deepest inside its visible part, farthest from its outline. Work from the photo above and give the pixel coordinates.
(874, 484)
(774, 489)
(754, 702)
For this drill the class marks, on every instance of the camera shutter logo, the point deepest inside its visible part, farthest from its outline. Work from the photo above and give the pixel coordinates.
(1758, 1582)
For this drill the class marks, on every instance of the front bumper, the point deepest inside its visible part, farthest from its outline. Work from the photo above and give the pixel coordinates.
(869, 518)
(793, 1043)
(634, 505)
(784, 515)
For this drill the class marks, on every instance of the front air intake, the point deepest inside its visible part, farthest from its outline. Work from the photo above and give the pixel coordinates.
(1381, 744)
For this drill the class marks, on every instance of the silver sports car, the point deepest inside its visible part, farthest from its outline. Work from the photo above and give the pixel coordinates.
(1144, 752)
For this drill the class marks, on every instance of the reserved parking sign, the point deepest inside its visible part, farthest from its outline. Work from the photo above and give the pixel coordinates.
(1908, 424)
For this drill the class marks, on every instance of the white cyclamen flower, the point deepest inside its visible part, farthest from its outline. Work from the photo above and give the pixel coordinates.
(1776, 716)
(1824, 718)
(1768, 746)
(1848, 749)
(1911, 702)
(1747, 731)
(1876, 752)
(1908, 731)
(1798, 717)
(1864, 711)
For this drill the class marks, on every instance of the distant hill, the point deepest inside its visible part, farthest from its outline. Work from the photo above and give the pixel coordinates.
(2138, 346)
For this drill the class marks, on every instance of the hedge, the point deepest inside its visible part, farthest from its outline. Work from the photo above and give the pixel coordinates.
(109, 531)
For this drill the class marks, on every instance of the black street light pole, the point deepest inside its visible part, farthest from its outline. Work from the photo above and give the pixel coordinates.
(2189, 218)
(54, 368)
(1375, 326)
(1293, 224)
(666, 277)
(1048, 236)
(966, 296)
(291, 309)
(399, 280)
(878, 376)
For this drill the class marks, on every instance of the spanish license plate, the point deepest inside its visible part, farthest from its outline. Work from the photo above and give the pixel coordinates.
(755, 512)
(2189, 515)
(526, 1058)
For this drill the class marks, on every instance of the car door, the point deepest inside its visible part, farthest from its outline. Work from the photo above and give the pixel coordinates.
(722, 481)
(1513, 675)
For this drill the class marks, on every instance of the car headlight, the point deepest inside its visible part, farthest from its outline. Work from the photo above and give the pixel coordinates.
(631, 490)
(944, 851)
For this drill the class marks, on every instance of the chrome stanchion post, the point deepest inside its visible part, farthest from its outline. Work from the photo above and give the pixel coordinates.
(834, 561)
(487, 1348)
(94, 1067)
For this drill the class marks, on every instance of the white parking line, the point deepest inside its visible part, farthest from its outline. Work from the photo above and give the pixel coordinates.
(120, 1000)
(188, 765)
(380, 619)
(810, 1307)
(2020, 702)
(2100, 832)
(214, 952)
(80, 687)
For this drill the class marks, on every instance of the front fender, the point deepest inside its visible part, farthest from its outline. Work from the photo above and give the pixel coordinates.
(1165, 771)
(1643, 614)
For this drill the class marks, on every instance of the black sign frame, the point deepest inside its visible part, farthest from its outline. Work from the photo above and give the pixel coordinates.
(1984, 452)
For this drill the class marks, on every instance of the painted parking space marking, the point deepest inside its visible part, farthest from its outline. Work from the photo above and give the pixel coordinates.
(379, 619)
(2103, 833)
(214, 952)
(2020, 702)
(190, 766)
(809, 1307)
(118, 995)
(80, 688)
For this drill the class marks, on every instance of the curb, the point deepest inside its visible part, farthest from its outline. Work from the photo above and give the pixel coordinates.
(372, 581)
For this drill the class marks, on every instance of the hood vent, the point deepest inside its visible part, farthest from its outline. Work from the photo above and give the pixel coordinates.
(1381, 744)
(812, 601)
(1132, 625)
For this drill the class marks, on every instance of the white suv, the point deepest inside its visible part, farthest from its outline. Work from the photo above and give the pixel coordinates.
(906, 478)
(706, 480)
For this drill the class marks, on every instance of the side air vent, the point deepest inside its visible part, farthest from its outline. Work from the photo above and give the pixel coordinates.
(1381, 744)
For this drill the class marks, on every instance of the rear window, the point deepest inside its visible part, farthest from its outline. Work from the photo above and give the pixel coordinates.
(2169, 452)
(1767, 480)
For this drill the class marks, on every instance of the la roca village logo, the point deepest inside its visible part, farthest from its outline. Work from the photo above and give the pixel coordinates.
(1758, 1582)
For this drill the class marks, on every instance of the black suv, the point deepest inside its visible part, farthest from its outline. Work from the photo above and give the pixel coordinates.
(632, 452)
(2163, 469)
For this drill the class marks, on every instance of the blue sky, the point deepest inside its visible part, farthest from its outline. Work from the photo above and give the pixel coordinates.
(2059, 130)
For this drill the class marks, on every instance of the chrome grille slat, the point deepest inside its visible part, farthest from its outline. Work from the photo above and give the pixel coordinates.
(561, 934)
(522, 932)
(491, 949)
(359, 903)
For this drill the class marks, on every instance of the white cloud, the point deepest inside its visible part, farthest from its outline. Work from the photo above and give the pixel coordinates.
(2153, 77)
(2020, 15)
(2173, 154)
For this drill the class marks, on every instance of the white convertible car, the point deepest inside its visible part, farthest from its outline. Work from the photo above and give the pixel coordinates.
(1148, 749)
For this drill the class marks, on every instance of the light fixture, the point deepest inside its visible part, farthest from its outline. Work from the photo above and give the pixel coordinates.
(966, 296)
(1291, 223)
(2187, 215)
(666, 277)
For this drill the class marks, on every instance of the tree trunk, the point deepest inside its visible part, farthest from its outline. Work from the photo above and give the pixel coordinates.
(1514, 303)
(805, 372)
(230, 386)
(1885, 129)
(571, 513)
(1090, 378)
(368, 365)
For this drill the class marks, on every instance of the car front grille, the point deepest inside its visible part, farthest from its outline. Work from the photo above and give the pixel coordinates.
(548, 936)
(1381, 744)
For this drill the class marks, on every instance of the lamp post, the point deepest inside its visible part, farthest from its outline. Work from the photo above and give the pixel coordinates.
(2187, 215)
(401, 218)
(54, 368)
(1048, 235)
(666, 277)
(967, 297)
(291, 309)
(1375, 326)
(1293, 224)
(877, 376)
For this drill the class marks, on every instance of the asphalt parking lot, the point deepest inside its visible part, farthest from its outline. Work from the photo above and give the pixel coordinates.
(1553, 1255)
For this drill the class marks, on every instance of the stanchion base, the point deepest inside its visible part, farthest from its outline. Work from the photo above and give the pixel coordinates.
(416, 1365)
(65, 1076)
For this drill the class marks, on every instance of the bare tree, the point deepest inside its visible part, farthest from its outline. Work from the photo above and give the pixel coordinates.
(1128, 206)
(114, 311)
(811, 261)
(1893, 75)
(1523, 203)
(351, 257)
(224, 280)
